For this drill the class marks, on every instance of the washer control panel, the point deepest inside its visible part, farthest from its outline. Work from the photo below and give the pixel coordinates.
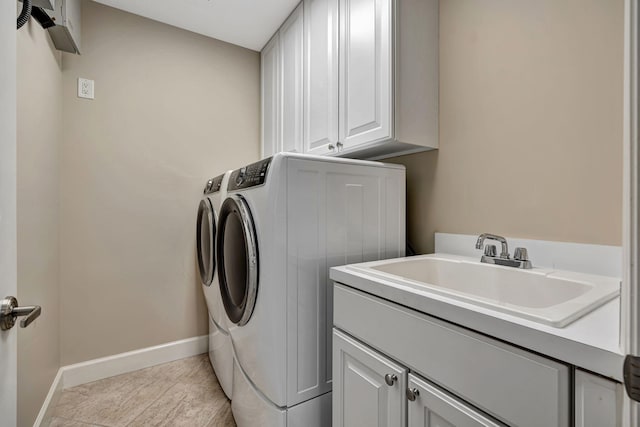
(213, 185)
(249, 176)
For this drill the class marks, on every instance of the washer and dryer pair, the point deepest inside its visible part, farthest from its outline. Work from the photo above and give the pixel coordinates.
(284, 222)
(220, 350)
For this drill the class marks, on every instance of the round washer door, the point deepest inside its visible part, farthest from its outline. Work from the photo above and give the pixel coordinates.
(205, 241)
(237, 255)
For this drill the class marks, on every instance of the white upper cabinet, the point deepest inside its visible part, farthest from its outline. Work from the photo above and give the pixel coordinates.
(365, 72)
(270, 65)
(353, 78)
(281, 82)
(320, 76)
(291, 60)
(388, 77)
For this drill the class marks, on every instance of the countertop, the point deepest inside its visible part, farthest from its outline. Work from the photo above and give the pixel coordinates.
(591, 342)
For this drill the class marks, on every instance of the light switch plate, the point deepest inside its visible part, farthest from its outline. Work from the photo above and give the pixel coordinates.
(85, 88)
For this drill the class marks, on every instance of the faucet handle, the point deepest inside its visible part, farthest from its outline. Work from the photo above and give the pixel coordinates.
(521, 254)
(490, 250)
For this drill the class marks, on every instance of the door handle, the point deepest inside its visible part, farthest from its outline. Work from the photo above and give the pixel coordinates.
(10, 311)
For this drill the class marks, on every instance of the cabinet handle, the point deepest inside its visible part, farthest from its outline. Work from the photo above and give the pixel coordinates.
(412, 394)
(390, 379)
(331, 147)
(339, 145)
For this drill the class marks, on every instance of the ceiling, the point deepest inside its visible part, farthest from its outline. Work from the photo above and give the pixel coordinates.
(247, 23)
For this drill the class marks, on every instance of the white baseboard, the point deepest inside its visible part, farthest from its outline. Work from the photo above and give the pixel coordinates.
(105, 367)
(50, 402)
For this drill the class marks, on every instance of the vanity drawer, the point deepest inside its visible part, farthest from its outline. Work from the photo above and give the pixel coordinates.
(515, 386)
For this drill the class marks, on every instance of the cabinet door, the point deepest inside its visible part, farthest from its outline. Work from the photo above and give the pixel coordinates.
(598, 401)
(432, 407)
(361, 394)
(320, 76)
(270, 64)
(365, 71)
(291, 42)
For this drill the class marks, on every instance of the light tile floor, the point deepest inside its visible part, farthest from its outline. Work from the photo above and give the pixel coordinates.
(181, 393)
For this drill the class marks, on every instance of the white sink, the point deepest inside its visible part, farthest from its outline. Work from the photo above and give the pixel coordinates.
(551, 297)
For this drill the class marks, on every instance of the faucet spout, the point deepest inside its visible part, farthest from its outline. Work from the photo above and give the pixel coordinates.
(520, 258)
(503, 242)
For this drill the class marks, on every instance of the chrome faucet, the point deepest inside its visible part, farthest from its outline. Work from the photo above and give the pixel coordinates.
(505, 248)
(520, 256)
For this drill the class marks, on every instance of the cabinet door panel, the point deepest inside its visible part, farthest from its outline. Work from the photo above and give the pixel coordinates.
(320, 75)
(291, 60)
(435, 408)
(270, 59)
(597, 401)
(361, 397)
(365, 71)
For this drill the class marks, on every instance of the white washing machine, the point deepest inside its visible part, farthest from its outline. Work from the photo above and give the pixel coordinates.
(285, 221)
(220, 350)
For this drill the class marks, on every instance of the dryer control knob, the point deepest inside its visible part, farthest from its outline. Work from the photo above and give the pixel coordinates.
(241, 176)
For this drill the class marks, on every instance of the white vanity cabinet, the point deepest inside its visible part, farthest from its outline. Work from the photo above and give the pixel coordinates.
(281, 81)
(373, 390)
(505, 383)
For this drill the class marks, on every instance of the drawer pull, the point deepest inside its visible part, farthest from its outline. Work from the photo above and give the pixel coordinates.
(412, 394)
(390, 379)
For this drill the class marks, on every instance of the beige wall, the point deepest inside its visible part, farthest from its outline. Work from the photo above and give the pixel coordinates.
(530, 124)
(172, 109)
(39, 133)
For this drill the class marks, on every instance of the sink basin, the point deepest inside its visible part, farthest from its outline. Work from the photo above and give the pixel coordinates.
(547, 296)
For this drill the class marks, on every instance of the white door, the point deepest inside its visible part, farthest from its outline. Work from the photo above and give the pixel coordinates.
(270, 64)
(291, 60)
(429, 406)
(631, 415)
(320, 76)
(8, 268)
(365, 71)
(368, 388)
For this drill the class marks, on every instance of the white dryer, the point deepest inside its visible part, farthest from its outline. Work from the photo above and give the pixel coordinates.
(285, 221)
(220, 350)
